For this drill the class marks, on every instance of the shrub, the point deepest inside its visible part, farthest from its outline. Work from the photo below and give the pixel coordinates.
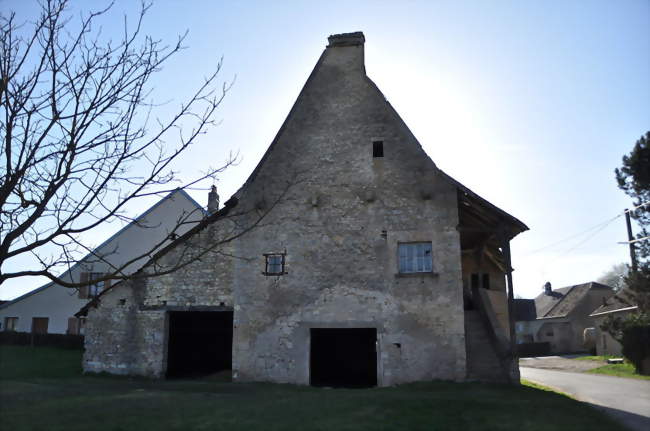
(636, 346)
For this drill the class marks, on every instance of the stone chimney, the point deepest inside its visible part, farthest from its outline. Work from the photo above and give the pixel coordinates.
(213, 200)
(343, 58)
(346, 39)
(548, 290)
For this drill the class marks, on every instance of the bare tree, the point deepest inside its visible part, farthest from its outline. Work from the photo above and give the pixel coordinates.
(79, 137)
(615, 276)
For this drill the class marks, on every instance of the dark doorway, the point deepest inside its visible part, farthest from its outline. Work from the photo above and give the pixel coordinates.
(343, 357)
(200, 343)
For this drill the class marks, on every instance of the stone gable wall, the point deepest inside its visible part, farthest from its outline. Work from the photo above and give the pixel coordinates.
(340, 224)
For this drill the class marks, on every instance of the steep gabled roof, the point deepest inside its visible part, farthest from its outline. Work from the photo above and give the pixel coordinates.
(562, 301)
(97, 249)
(482, 207)
(490, 212)
(198, 227)
(484, 210)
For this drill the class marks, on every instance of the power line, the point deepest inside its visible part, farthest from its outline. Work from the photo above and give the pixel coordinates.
(588, 238)
(599, 227)
(590, 232)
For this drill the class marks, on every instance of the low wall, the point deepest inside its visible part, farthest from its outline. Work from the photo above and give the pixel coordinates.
(51, 340)
(527, 350)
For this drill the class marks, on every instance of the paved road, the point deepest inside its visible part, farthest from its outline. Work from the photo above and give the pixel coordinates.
(560, 363)
(628, 400)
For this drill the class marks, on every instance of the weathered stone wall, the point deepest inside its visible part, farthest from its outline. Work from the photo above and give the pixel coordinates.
(340, 224)
(121, 338)
(127, 333)
(558, 332)
(340, 228)
(580, 318)
(499, 305)
(605, 343)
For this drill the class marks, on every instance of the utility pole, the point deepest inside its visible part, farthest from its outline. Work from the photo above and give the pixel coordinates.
(630, 238)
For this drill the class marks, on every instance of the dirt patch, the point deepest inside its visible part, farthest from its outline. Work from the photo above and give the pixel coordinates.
(560, 363)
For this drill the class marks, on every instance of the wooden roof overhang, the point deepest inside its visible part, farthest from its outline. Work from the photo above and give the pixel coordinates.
(483, 227)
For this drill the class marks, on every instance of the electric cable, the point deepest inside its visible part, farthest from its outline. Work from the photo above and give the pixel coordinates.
(599, 227)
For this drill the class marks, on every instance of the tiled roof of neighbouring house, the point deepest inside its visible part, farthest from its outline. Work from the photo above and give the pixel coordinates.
(622, 300)
(560, 302)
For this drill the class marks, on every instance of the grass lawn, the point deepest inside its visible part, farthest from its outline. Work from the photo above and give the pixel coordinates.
(595, 358)
(42, 389)
(625, 369)
(619, 370)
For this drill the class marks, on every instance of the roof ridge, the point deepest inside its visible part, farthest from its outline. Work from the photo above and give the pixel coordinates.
(116, 234)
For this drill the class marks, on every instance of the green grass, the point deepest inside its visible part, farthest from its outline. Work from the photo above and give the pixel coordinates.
(34, 397)
(619, 370)
(17, 362)
(625, 369)
(595, 358)
(537, 386)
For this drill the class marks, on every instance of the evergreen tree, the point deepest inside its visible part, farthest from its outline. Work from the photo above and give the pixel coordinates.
(633, 331)
(634, 179)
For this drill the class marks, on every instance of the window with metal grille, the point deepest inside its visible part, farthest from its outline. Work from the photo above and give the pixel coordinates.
(415, 257)
(274, 264)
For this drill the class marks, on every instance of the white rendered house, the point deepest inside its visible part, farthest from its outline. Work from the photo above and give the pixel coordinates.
(51, 307)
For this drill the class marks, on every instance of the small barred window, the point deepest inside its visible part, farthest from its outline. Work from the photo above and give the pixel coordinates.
(275, 264)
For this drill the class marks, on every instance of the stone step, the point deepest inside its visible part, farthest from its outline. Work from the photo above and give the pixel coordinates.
(482, 361)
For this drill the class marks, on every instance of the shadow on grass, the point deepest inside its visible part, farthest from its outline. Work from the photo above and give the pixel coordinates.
(631, 420)
(34, 398)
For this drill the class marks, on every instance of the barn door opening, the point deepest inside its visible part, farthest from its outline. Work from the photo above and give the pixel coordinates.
(200, 343)
(343, 357)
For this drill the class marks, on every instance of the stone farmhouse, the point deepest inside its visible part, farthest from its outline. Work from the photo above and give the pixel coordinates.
(563, 315)
(51, 308)
(348, 258)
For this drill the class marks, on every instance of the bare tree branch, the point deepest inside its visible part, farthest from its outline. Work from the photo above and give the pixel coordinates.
(78, 140)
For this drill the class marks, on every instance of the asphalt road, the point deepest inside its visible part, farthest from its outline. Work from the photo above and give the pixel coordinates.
(628, 400)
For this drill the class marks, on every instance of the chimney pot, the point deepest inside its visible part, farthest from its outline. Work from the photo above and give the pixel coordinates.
(547, 288)
(213, 200)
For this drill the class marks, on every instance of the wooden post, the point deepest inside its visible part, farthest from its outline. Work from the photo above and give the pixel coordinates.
(630, 238)
(511, 297)
(505, 244)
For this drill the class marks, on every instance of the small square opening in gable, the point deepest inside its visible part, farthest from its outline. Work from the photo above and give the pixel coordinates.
(377, 149)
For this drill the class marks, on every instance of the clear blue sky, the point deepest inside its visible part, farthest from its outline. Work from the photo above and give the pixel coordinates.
(529, 103)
